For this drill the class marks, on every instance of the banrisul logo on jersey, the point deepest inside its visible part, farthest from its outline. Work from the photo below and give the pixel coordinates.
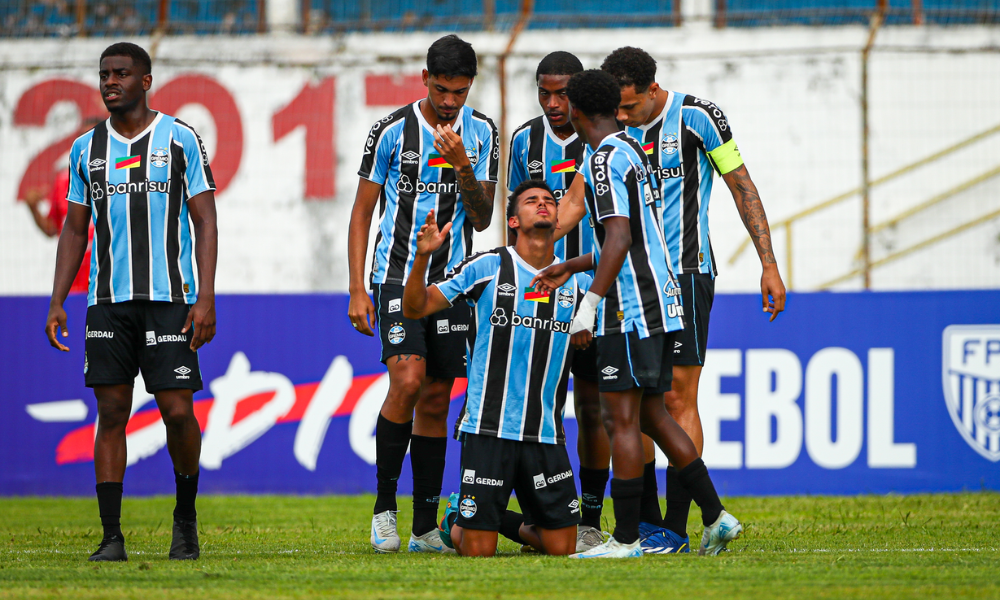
(499, 319)
(970, 373)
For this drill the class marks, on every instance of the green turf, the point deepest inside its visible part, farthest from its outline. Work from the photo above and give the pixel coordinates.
(279, 546)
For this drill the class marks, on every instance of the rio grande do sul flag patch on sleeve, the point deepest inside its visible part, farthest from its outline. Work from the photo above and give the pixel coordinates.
(128, 162)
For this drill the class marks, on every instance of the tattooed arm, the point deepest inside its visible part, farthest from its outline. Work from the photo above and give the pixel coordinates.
(752, 212)
(477, 196)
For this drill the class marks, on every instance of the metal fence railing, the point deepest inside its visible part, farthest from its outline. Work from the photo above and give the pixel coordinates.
(68, 18)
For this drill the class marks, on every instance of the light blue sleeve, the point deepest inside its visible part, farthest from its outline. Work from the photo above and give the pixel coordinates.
(487, 167)
(517, 170)
(77, 185)
(470, 276)
(379, 148)
(198, 173)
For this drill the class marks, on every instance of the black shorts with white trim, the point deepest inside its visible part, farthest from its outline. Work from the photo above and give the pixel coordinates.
(540, 474)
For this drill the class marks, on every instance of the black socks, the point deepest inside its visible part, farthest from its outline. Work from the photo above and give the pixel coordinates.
(593, 482)
(109, 502)
(678, 503)
(627, 494)
(427, 460)
(510, 526)
(187, 491)
(391, 441)
(695, 478)
(649, 509)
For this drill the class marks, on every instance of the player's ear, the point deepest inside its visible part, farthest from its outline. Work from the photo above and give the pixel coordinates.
(147, 81)
(653, 88)
(513, 222)
(423, 76)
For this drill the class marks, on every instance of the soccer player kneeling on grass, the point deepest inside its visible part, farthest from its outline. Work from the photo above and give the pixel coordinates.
(511, 428)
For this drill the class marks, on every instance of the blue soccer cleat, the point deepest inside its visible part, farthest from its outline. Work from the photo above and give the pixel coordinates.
(659, 540)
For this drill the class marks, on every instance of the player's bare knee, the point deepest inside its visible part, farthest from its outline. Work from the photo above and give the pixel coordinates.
(177, 417)
(113, 415)
(404, 389)
(434, 408)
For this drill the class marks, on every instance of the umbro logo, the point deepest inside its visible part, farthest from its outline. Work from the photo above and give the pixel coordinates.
(535, 165)
(678, 344)
(182, 372)
(609, 372)
(96, 164)
(410, 157)
(506, 289)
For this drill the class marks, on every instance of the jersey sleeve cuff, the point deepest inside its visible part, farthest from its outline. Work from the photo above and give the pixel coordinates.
(726, 157)
(200, 190)
(77, 201)
(362, 175)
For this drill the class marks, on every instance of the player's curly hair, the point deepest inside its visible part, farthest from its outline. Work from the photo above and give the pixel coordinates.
(594, 92)
(139, 56)
(451, 56)
(631, 66)
(524, 186)
(559, 63)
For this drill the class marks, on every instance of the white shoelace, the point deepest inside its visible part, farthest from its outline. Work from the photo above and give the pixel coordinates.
(386, 527)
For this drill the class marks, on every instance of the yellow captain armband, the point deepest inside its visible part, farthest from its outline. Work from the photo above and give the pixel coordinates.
(726, 157)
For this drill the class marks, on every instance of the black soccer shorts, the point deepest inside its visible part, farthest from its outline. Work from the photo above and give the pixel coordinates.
(697, 296)
(440, 338)
(125, 338)
(624, 362)
(540, 474)
(584, 364)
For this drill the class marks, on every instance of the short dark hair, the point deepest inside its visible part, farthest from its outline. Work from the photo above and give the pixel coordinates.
(451, 56)
(631, 66)
(139, 56)
(524, 186)
(559, 63)
(594, 92)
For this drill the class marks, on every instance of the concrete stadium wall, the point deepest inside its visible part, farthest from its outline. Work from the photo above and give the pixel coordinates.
(285, 117)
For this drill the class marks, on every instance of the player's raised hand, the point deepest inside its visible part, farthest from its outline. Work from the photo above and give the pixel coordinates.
(771, 285)
(551, 278)
(430, 238)
(450, 145)
(55, 322)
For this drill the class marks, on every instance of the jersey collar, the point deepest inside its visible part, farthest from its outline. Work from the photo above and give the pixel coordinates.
(524, 263)
(423, 122)
(555, 138)
(663, 113)
(125, 140)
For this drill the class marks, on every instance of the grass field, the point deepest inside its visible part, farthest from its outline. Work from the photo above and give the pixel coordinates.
(940, 546)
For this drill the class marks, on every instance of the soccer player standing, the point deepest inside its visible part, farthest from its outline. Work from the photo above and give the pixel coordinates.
(141, 177)
(435, 154)
(633, 300)
(547, 148)
(511, 430)
(686, 140)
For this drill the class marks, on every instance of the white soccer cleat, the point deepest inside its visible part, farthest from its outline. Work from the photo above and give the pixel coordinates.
(588, 537)
(725, 529)
(429, 542)
(384, 536)
(612, 549)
